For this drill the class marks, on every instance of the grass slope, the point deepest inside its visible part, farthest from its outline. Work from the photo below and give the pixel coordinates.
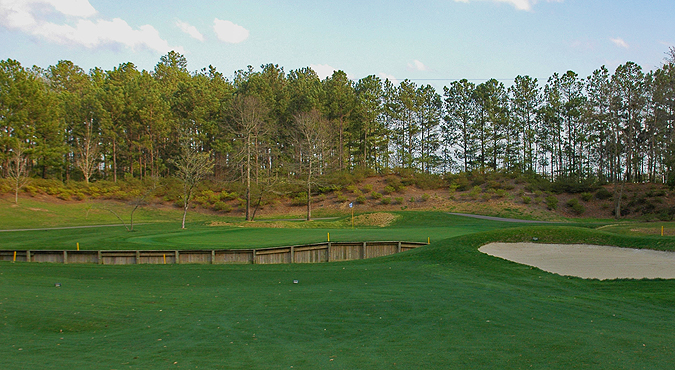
(412, 226)
(442, 306)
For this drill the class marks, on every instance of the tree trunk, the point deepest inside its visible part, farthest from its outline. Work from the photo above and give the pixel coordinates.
(248, 179)
(309, 191)
(185, 209)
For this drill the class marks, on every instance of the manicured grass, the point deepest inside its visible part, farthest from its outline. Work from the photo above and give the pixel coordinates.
(412, 226)
(443, 306)
(642, 228)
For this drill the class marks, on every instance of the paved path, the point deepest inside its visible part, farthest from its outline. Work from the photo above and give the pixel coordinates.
(501, 219)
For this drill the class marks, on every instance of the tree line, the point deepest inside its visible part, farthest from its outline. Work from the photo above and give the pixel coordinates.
(64, 123)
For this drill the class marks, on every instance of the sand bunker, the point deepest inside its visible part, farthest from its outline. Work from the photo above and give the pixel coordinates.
(588, 261)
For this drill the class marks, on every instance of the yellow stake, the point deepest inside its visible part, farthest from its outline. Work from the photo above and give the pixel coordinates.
(14, 260)
(661, 230)
(328, 236)
(429, 240)
(78, 246)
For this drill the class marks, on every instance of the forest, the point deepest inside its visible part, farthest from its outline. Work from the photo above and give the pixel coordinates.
(68, 124)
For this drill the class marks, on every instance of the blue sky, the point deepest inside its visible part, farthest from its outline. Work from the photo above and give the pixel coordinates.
(428, 41)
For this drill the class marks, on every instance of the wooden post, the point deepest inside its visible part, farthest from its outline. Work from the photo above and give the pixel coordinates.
(363, 250)
(213, 257)
(27, 256)
(138, 257)
(253, 256)
(398, 247)
(328, 251)
(177, 257)
(292, 254)
(65, 257)
(100, 258)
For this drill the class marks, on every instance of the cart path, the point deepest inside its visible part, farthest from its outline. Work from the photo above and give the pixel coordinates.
(492, 218)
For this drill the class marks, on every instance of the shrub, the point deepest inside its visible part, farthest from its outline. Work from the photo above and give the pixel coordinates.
(492, 184)
(526, 200)
(486, 196)
(411, 200)
(427, 181)
(339, 197)
(501, 193)
(603, 194)
(586, 197)
(222, 206)
(32, 190)
(375, 195)
(388, 189)
(453, 188)
(576, 207)
(460, 182)
(425, 197)
(573, 185)
(475, 191)
(398, 200)
(65, 195)
(351, 188)
(361, 199)
(551, 202)
(385, 201)
(299, 200)
(368, 188)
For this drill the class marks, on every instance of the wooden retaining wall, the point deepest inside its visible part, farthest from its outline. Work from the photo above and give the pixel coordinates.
(312, 253)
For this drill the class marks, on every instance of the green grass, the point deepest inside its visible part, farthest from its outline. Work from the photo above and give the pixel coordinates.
(641, 228)
(31, 213)
(412, 226)
(443, 306)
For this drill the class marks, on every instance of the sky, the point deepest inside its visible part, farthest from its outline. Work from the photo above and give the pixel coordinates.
(427, 41)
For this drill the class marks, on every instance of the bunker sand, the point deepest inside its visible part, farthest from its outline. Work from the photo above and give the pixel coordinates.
(588, 261)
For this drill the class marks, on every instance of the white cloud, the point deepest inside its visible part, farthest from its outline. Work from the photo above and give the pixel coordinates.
(389, 77)
(619, 42)
(190, 30)
(323, 70)
(30, 16)
(229, 32)
(416, 65)
(518, 4)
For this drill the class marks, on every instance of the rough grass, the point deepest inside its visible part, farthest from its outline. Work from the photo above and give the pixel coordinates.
(442, 306)
(31, 213)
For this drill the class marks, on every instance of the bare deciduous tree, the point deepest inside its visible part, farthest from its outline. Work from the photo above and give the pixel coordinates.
(18, 169)
(87, 153)
(249, 115)
(312, 137)
(192, 167)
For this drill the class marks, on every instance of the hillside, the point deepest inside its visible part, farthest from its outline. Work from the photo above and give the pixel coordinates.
(493, 195)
